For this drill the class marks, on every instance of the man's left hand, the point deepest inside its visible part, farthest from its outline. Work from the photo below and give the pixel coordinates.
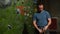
(45, 28)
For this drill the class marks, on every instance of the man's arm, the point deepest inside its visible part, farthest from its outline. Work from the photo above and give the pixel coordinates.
(35, 25)
(49, 23)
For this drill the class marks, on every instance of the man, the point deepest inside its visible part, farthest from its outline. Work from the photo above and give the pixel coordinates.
(41, 19)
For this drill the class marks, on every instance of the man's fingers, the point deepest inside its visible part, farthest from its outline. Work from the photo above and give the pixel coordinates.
(41, 31)
(45, 28)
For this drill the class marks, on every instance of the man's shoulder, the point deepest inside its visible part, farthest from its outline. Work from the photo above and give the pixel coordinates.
(35, 13)
(45, 10)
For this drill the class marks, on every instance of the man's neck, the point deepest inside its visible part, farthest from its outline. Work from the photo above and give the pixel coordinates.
(41, 11)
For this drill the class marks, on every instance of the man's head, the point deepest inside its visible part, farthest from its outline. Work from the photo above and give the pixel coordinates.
(41, 7)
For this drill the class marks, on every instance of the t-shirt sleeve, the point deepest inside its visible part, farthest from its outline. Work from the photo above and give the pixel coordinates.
(34, 17)
(48, 15)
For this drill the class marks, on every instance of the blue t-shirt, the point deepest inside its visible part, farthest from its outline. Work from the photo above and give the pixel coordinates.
(41, 18)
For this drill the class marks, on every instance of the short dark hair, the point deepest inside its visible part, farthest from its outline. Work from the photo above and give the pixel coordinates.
(40, 4)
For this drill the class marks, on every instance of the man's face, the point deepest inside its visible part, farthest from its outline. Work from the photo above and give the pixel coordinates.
(41, 7)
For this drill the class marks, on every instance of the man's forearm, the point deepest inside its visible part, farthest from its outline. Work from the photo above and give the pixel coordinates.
(35, 25)
(49, 23)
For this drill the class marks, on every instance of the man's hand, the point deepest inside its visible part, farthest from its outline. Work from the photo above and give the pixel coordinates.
(45, 28)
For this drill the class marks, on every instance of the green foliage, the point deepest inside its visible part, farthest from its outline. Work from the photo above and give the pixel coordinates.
(8, 16)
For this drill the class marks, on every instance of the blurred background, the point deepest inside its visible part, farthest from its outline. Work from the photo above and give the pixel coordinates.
(16, 16)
